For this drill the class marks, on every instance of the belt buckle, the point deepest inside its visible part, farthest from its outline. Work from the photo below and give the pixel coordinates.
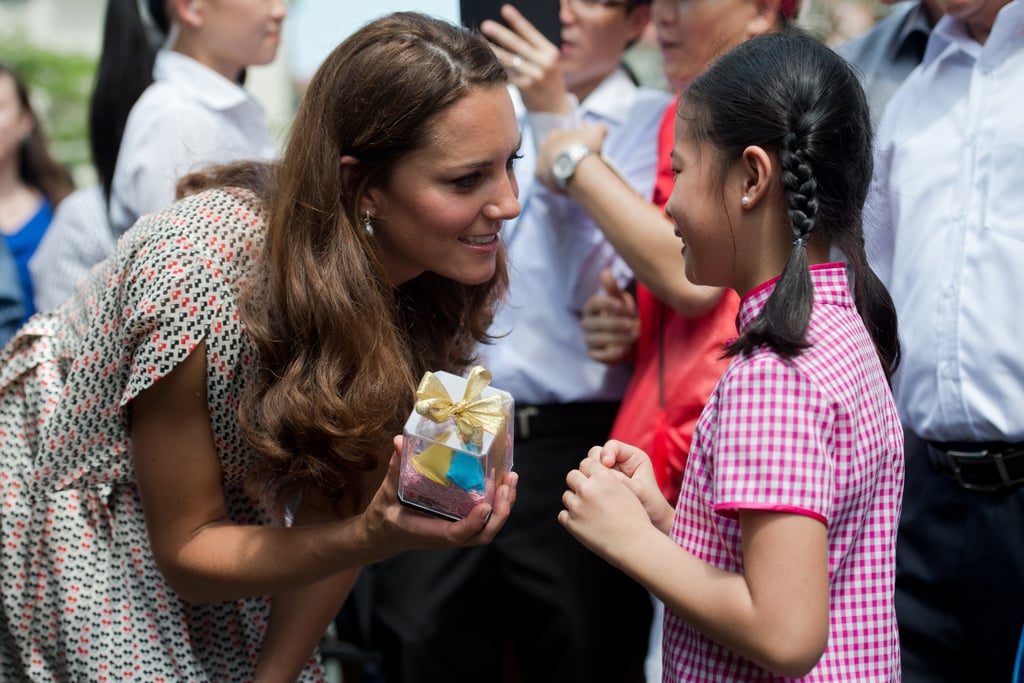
(997, 458)
(523, 416)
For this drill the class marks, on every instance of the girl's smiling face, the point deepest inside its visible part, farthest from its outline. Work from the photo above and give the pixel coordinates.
(444, 205)
(697, 206)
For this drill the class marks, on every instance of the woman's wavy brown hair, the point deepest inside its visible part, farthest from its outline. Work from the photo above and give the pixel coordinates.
(341, 349)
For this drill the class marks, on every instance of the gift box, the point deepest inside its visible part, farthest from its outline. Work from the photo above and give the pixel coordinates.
(458, 443)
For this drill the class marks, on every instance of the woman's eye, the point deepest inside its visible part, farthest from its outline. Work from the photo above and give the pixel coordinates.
(467, 182)
(510, 164)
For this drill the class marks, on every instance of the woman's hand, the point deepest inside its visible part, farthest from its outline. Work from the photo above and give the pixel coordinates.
(392, 527)
(532, 61)
(610, 322)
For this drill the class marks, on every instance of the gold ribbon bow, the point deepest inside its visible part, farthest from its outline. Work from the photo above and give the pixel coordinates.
(471, 414)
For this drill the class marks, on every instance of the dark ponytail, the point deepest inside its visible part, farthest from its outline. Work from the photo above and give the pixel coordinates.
(130, 42)
(791, 95)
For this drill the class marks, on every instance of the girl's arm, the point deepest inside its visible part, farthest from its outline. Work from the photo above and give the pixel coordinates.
(206, 557)
(775, 613)
(639, 230)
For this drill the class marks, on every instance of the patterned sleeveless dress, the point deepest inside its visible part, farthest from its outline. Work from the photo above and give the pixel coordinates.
(81, 597)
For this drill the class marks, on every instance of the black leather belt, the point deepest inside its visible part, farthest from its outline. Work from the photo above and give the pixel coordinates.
(538, 421)
(992, 466)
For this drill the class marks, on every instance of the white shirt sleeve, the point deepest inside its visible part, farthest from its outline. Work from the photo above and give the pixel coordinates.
(78, 238)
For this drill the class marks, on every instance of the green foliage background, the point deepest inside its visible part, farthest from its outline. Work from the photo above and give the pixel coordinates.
(60, 85)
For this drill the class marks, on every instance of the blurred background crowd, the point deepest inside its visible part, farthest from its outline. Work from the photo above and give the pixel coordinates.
(55, 46)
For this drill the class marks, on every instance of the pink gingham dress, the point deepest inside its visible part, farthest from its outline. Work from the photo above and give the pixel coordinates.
(817, 435)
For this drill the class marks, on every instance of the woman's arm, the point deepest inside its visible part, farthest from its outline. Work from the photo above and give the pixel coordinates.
(299, 617)
(206, 557)
(639, 230)
(775, 613)
(298, 621)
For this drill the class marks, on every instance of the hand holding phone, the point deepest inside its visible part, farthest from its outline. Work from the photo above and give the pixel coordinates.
(543, 14)
(533, 62)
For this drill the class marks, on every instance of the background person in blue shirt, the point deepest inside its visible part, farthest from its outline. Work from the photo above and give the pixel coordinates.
(12, 307)
(32, 183)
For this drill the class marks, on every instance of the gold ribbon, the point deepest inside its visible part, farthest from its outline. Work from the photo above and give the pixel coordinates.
(471, 414)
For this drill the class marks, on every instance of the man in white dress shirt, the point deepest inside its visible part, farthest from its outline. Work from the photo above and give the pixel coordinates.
(537, 606)
(945, 230)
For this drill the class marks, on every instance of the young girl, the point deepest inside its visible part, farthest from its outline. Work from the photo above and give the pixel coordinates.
(251, 350)
(778, 561)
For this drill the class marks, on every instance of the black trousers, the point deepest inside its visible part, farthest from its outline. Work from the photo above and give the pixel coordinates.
(534, 605)
(959, 577)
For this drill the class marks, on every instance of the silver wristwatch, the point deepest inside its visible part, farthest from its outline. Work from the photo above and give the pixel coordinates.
(564, 165)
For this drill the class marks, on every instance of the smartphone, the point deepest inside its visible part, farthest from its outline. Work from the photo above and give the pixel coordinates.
(542, 13)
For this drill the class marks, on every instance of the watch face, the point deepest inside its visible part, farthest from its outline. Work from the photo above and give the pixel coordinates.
(563, 166)
(565, 163)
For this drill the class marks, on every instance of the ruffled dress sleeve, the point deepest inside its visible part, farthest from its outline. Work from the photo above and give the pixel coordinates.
(173, 282)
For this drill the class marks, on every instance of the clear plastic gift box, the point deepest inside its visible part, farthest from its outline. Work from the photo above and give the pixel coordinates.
(458, 443)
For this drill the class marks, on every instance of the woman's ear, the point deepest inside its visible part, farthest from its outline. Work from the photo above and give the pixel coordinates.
(370, 200)
(754, 176)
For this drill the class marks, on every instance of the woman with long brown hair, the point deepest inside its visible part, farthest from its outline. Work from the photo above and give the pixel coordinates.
(195, 448)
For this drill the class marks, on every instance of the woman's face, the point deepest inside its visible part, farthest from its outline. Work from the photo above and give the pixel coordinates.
(235, 34)
(15, 121)
(444, 204)
(693, 32)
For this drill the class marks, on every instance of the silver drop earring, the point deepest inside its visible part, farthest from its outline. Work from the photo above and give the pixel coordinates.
(368, 224)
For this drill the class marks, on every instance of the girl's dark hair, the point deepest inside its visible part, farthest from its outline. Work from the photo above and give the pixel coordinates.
(340, 348)
(36, 167)
(125, 70)
(796, 98)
